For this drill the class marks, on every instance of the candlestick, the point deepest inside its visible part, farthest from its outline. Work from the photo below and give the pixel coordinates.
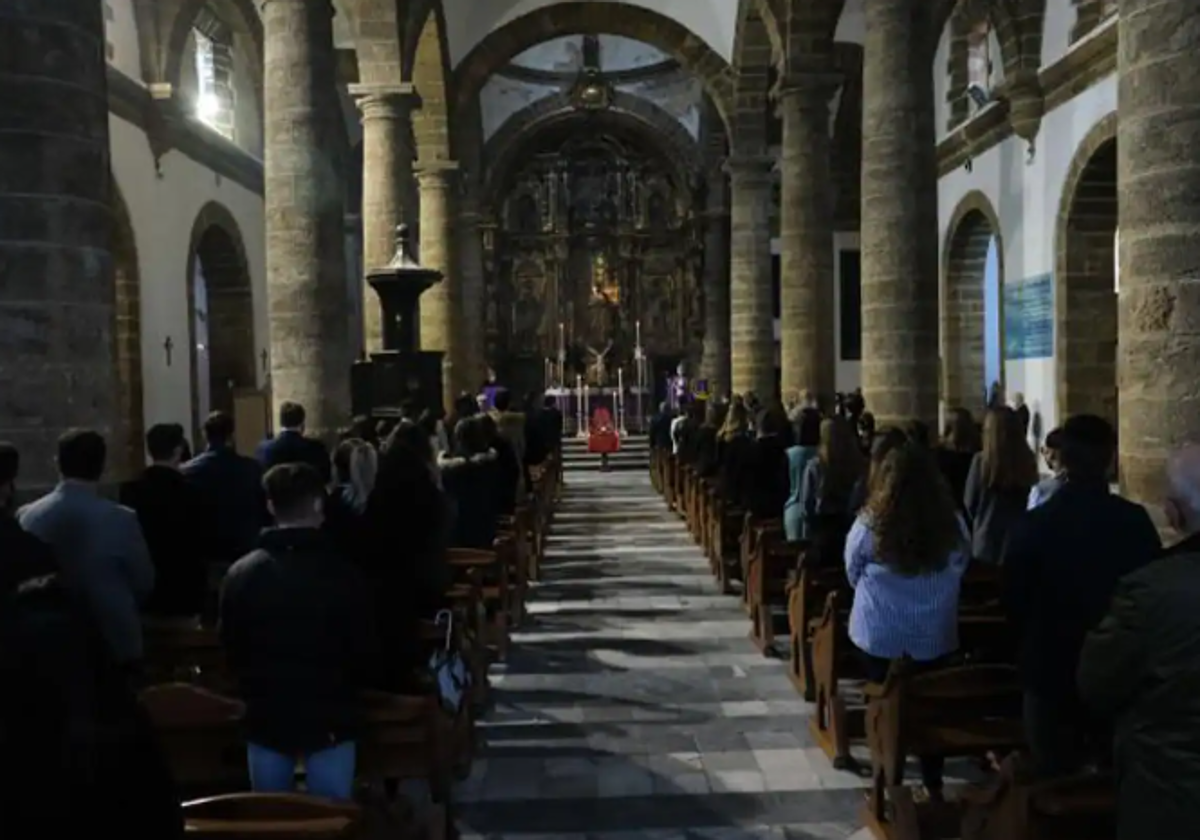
(638, 333)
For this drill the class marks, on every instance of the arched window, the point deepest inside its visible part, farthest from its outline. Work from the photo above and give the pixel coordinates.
(215, 92)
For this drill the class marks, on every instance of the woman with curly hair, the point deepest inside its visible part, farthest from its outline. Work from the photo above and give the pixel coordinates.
(905, 558)
(998, 483)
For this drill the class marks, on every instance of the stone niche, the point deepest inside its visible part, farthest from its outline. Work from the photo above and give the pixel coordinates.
(592, 245)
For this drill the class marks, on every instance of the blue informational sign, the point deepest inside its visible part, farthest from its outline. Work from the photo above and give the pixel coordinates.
(1029, 318)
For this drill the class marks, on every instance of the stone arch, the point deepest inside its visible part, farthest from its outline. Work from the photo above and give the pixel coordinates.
(973, 227)
(127, 454)
(217, 252)
(754, 49)
(1085, 297)
(430, 73)
(664, 131)
(635, 22)
(240, 15)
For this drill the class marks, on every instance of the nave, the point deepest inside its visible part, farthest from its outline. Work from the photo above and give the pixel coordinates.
(634, 706)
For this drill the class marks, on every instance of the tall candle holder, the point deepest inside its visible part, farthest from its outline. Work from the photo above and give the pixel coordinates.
(620, 402)
(639, 361)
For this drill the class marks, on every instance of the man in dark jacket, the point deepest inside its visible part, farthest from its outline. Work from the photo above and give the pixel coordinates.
(171, 512)
(1061, 565)
(660, 428)
(1139, 668)
(291, 446)
(231, 488)
(296, 627)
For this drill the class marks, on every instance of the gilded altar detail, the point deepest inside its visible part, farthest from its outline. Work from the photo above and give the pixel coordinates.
(593, 243)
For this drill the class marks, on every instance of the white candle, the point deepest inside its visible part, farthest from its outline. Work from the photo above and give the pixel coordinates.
(562, 338)
(621, 380)
(638, 333)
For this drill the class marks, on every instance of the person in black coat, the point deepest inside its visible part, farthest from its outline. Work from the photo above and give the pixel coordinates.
(766, 480)
(171, 513)
(473, 480)
(230, 486)
(660, 428)
(295, 622)
(552, 424)
(1060, 567)
(291, 446)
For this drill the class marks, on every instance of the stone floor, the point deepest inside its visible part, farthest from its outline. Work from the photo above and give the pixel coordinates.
(634, 706)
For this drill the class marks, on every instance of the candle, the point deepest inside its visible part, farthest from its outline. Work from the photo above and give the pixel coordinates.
(621, 380)
(638, 333)
(562, 337)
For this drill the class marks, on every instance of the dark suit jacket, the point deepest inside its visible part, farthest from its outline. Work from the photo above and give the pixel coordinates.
(231, 487)
(289, 447)
(173, 515)
(1060, 566)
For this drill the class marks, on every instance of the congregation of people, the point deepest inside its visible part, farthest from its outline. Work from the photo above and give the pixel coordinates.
(315, 567)
(1102, 618)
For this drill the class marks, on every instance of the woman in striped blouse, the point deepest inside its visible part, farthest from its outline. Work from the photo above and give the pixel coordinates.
(905, 558)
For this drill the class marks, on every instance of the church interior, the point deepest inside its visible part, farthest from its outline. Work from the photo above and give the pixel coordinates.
(918, 200)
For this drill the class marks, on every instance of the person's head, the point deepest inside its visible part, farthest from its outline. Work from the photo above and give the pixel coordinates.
(355, 464)
(81, 455)
(295, 495)
(10, 466)
(882, 445)
(962, 435)
(410, 437)
(218, 430)
(772, 421)
(291, 416)
(664, 408)
(912, 513)
(840, 456)
(164, 444)
(1052, 450)
(715, 412)
(1088, 447)
(491, 376)
(917, 431)
(549, 402)
(1007, 461)
(363, 428)
(502, 399)
(472, 437)
(1182, 504)
(737, 420)
(465, 405)
(808, 399)
(808, 432)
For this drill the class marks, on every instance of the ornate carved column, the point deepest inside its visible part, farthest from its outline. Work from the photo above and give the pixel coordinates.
(807, 353)
(470, 249)
(56, 267)
(715, 361)
(751, 328)
(387, 175)
(899, 215)
(1158, 361)
(441, 306)
(306, 270)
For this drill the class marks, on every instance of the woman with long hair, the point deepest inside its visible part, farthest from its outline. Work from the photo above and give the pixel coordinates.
(957, 449)
(890, 438)
(829, 478)
(706, 442)
(998, 483)
(905, 558)
(808, 440)
(734, 443)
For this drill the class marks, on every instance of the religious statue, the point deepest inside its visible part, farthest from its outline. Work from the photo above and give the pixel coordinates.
(598, 365)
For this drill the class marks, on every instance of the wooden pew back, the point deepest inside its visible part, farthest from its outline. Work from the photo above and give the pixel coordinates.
(248, 816)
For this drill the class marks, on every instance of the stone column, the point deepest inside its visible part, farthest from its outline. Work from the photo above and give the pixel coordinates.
(1158, 359)
(899, 215)
(807, 353)
(306, 258)
(441, 306)
(56, 266)
(470, 249)
(714, 364)
(387, 171)
(751, 320)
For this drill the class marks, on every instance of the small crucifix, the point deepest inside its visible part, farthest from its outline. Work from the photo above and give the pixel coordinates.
(168, 347)
(264, 357)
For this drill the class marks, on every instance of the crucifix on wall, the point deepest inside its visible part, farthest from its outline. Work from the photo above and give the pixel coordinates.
(168, 348)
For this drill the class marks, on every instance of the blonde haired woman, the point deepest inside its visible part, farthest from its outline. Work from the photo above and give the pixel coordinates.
(355, 464)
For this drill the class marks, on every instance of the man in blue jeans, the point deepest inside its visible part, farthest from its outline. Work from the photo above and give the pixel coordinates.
(295, 624)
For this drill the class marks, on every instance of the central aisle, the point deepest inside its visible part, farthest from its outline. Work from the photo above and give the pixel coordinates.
(633, 705)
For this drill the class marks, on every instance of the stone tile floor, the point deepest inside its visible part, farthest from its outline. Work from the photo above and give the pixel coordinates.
(633, 706)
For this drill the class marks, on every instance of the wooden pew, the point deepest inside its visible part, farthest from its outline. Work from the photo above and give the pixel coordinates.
(983, 637)
(201, 738)
(807, 592)
(756, 534)
(1015, 807)
(480, 592)
(953, 712)
(727, 543)
(283, 816)
(181, 650)
(766, 587)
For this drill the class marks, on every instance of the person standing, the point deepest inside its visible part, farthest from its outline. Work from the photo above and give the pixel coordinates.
(291, 446)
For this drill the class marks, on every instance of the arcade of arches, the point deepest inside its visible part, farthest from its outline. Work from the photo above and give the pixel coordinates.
(613, 166)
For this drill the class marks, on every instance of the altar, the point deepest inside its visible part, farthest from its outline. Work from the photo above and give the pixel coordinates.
(628, 406)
